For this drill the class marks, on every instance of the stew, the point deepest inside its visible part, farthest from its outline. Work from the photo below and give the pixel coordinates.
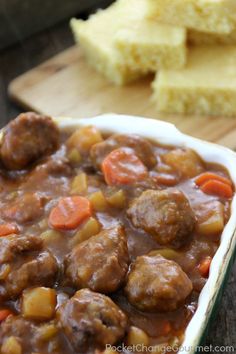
(103, 239)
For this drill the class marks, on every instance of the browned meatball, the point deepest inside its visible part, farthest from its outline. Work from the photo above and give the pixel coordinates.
(165, 214)
(99, 263)
(91, 320)
(11, 246)
(24, 208)
(18, 327)
(29, 334)
(157, 284)
(38, 271)
(19, 270)
(27, 138)
(143, 149)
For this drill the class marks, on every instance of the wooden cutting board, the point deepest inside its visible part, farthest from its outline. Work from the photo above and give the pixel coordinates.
(66, 86)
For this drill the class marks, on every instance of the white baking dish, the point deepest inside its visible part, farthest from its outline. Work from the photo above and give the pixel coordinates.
(166, 133)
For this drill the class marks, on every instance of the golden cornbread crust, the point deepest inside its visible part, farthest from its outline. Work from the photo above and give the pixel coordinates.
(95, 37)
(201, 38)
(207, 85)
(215, 16)
(123, 45)
(149, 45)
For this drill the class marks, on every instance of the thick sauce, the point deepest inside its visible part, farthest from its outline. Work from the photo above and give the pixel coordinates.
(27, 197)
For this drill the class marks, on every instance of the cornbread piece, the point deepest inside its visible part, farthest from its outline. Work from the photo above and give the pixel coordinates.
(207, 85)
(96, 37)
(148, 45)
(215, 16)
(202, 38)
(123, 45)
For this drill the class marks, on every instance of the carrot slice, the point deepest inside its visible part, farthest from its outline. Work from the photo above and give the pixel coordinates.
(4, 314)
(217, 188)
(122, 166)
(207, 176)
(8, 229)
(70, 212)
(166, 329)
(204, 267)
(165, 179)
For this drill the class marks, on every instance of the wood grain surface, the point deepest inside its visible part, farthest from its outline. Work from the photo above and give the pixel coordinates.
(67, 85)
(18, 59)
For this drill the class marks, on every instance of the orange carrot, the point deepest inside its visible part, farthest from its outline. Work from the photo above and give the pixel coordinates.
(4, 314)
(207, 176)
(165, 179)
(8, 229)
(217, 188)
(70, 212)
(204, 267)
(166, 329)
(122, 166)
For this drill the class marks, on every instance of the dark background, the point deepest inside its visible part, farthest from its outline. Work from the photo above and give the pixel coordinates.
(29, 51)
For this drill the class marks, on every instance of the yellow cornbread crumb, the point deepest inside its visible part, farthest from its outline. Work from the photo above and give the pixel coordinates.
(207, 85)
(122, 45)
(95, 37)
(148, 45)
(216, 16)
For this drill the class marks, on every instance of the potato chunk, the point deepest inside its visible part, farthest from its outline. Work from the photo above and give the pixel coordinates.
(51, 237)
(211, 218)
(84, 138)
(74, 156)
(11, 346)
(47, 331)
(79, 184)
(118, 199)
(39, 303)
(90, 228)
(98, 200)
(137, 336)
(185, 161)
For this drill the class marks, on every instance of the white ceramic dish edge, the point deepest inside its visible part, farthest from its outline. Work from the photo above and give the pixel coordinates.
(167, 134)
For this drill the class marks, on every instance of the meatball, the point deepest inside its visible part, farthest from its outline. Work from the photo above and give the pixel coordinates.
(99, 263)
(56, 166)
(91, 320)
(12, 246)
(39, 271)
(18, 327)
(25, 208)
(29, 334)
(165, 214)
(185, 162)
(157, 284)
(141, 147)
(27, 138)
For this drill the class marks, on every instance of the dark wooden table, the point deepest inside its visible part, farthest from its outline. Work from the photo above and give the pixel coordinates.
(20, 58)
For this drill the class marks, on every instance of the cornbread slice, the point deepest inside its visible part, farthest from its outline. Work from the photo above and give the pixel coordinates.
(207, 85)
(121, 44)
(202, 38)
(216, 16)
(96, 37)
(148, 45)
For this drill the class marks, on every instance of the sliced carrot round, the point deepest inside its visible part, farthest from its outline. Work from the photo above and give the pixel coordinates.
(165, 179)
(204, 267)
(8, 229)
(122, 166)
(218, 188)
(4, 314)
(207, 176)
(70, 212)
